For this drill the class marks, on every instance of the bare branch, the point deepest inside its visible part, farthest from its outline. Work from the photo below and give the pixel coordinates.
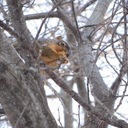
(97, 16)
(41, 15)
(20, 88)
(67, 20)
(111, 120)
(85, 6)
(10, 30)
(18, 22)
(37, 35)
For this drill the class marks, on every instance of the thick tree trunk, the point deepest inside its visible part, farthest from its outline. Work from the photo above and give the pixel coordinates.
(22, 95)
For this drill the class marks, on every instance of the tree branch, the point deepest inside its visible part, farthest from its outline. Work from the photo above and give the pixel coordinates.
(67, 20)
(97, 16)
(112, 120)
(9, 30)
(41, 15)
(19, 24)
(85, 6)
(22, 94)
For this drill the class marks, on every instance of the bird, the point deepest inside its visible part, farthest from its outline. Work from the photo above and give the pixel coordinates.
(55, 53)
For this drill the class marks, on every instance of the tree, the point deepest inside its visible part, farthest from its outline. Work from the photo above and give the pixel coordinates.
(92, 39)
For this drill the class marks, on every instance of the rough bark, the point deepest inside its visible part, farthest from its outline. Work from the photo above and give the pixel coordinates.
(104, 99)
(22, 95)
(100, 90)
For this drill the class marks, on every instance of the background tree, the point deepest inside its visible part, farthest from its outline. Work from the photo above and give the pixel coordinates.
(96, 31)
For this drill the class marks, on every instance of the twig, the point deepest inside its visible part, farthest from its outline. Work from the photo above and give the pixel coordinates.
(78, 116)
(77, 26)
(122, 97)
(41, 15)
(125, 56)
(59, 97)
(37, 35)
(111, 120)
(86, 5)
(59, 118)
(67, 20)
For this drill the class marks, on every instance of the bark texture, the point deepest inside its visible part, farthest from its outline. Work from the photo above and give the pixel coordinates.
(22, 93)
